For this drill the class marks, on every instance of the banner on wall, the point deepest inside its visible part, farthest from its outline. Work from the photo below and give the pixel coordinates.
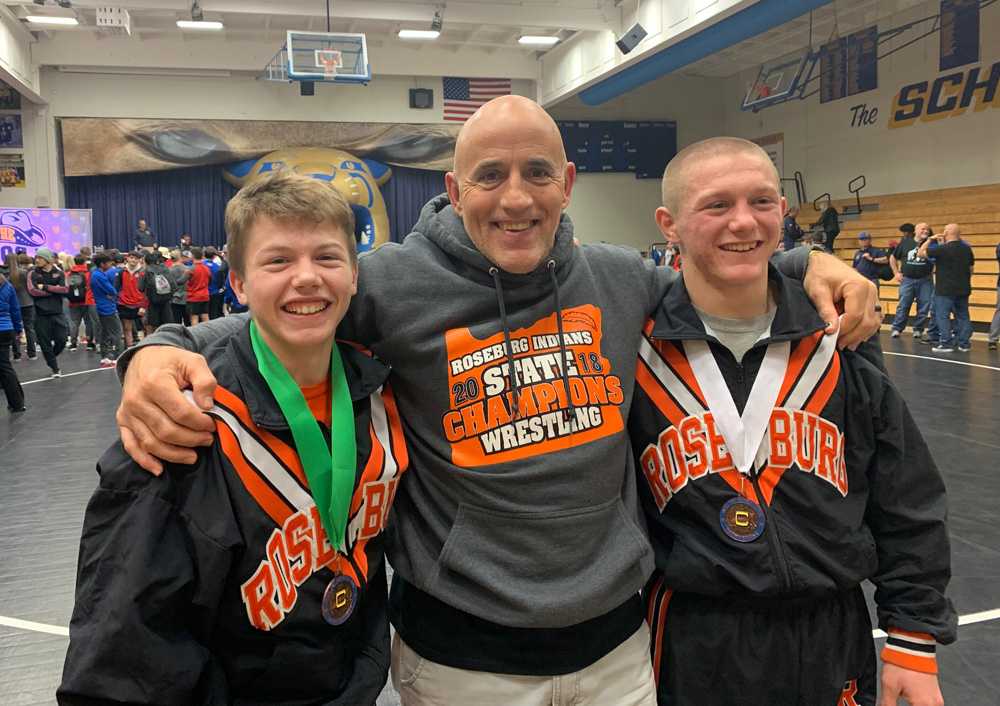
(10, 131)
(12, 171)
(122, 145)
(58, 229)
(774, 145)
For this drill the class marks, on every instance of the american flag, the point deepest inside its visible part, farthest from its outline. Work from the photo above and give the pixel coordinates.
(463, 96)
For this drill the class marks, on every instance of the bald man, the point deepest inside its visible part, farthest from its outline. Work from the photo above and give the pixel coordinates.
(776, 474)
(517, 543)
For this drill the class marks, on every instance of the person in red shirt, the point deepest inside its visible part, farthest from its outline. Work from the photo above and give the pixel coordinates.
(132, 303)
(197, 288)
(81, 303)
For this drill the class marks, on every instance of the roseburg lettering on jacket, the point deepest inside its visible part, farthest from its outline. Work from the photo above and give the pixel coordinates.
(695, 447)
(299, 549)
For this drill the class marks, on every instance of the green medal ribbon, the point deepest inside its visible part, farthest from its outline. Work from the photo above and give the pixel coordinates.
(331, 490)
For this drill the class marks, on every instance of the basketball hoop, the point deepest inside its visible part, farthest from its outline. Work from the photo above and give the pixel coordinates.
(330, 60)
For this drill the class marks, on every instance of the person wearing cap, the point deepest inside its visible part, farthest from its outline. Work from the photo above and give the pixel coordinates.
(47, 284)
(868, 261)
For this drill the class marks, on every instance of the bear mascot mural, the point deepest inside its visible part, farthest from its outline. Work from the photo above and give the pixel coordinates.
(357, 179)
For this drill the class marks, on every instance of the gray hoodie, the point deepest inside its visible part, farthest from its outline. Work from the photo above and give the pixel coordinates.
(526, 519)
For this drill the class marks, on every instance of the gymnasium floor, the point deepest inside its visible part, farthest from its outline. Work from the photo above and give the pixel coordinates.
(47, 460)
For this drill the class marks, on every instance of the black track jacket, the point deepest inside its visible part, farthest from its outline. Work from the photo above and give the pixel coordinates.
(204, 586)
(850, 490)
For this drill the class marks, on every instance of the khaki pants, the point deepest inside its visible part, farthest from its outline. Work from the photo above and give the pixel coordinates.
(623, 677)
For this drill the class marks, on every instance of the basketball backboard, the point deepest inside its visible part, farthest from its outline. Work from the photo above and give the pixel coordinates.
(779, 80)
(321, 56)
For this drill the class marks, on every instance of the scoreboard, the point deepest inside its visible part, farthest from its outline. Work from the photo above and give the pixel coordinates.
(849, 65)
(643, 147)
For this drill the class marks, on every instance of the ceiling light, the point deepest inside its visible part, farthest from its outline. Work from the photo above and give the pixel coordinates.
(51, 20)
(203, 24)
(536, 40)
(419, 34)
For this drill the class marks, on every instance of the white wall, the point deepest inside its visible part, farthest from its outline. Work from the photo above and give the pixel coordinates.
(618, 208)
(961, 150)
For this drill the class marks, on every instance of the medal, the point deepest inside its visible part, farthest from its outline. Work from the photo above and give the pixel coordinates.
(339, 600)
(742, 519)
(331, 471)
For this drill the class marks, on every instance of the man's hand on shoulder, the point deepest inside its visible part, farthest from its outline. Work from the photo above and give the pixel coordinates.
(918, 688)
(835, 287)
(157, 422)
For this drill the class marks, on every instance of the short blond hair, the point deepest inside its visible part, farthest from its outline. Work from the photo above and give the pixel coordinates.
(286, 197)
(672, 186)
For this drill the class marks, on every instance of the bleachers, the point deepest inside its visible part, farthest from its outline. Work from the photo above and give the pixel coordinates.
(976, 209)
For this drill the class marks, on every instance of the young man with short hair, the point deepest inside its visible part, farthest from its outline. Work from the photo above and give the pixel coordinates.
(197, 288)
(776, 474)
(81, 302)
(257, 576)
(156, 283)
(132, 303)
(47, 284)
(106, 302)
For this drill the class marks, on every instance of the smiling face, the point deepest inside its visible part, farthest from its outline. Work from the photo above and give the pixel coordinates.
(298, 280)
(511, 182)
(726, 218)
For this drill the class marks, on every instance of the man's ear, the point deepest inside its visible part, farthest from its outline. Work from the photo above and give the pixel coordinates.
(451, 184)
(238, 287)
(667, 225)
(569, 179)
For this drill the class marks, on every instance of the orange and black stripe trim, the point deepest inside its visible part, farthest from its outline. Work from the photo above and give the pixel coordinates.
(657, 603)
(911, 650)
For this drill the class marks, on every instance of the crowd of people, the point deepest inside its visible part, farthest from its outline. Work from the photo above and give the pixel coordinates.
(103, 301)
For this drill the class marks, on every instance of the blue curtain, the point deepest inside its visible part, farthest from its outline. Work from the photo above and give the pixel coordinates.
(172, 202)
(405, 194)
(194, 201)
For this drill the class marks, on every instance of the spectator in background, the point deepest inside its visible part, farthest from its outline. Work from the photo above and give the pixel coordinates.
(913, 273)
(215, 284)
(10, 328)
(132, 303)
(144, 238)
(197, 288)
(81, 302)
(953, 259)
(185, 242)
(178, 300)
(995, 326)
(791, 230)
(47, 284)
(15, 269)
(157, 284)
(869, 260)
(829, 221)
(106, 301)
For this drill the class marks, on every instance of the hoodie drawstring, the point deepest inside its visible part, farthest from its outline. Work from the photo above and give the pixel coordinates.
(515, 384)
(551, 266)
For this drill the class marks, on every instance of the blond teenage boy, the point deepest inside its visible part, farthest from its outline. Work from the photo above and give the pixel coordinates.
(258, 575)
(776, 474)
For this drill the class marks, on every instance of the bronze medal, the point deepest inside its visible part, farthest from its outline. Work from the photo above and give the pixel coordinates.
(742, 520)
(339, 599)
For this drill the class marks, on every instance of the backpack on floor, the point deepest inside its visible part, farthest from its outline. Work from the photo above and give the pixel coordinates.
(77, 285)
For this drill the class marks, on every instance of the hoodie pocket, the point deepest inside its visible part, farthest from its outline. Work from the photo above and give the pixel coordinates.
(526, 569)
